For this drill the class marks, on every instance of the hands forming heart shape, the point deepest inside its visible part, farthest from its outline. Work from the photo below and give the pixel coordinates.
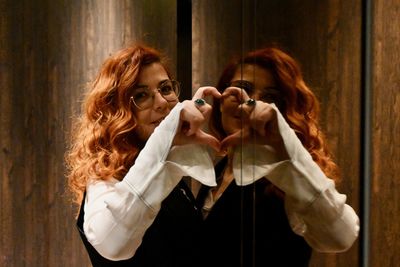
(250, 121)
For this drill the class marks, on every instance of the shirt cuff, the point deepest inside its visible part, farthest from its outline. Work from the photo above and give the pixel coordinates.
(299, 176)
(193, 160)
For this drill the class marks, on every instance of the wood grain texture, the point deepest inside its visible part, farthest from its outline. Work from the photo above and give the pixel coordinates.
(385, 191)
(325, 37)
(49, 51)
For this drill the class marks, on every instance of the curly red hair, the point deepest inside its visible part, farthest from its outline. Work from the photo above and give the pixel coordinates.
(104, 144)
(299, 105)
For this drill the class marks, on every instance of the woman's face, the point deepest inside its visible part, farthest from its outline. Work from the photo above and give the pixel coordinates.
(151, 77)
(258, 83)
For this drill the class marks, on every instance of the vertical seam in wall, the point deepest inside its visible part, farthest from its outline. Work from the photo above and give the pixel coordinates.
(366, 132)
(184, 47)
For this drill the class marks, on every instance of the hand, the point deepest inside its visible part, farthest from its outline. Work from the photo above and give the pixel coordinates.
(259, 121)
(193, 117)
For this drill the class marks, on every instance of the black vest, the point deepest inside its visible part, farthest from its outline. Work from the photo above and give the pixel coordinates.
(171, 241)
(248, 227)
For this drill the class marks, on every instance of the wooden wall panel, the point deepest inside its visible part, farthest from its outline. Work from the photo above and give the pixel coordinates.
(25, 143)
(385, 190)
(325, 37)
(331, 60)
(49, 51)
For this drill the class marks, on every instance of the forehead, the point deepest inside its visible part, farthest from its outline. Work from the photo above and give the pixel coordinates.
(254, 74)
(152, 73)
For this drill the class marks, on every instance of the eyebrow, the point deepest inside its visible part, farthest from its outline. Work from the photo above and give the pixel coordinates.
(146, 86)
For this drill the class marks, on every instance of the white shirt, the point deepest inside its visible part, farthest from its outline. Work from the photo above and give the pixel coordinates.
(118, 213)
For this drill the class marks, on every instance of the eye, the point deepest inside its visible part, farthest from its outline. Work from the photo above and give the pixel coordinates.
(140, 95)
(268, 97)
(166, 88)
(272, 95)
(245, 85)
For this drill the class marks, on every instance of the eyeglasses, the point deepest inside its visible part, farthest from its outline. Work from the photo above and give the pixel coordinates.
(143, 97)
(245, 85)
(269, 94)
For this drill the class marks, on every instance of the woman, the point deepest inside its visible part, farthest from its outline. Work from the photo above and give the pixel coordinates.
(274, 201)
(136, 209)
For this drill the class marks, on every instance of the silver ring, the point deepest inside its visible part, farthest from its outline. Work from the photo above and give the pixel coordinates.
(250, 102)
(199, 102)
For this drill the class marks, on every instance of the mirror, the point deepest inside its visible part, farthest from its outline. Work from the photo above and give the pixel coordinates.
(324, 37)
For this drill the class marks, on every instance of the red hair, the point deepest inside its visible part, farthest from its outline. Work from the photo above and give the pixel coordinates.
(299, 105)
(104, 144)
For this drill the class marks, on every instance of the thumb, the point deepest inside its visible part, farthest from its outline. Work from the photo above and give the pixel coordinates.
(201, 137)
(233, 139)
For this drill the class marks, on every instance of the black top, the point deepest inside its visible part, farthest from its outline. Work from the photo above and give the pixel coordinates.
(171, 241)
(246, 227)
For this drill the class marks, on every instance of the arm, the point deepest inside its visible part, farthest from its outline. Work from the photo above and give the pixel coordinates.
(314, 207)
(117, 214)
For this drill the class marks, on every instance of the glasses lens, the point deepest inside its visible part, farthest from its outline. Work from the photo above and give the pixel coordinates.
(143, 97)
(170, 90)
(245, 85)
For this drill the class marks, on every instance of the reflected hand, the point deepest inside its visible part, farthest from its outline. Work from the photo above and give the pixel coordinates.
(258, 120)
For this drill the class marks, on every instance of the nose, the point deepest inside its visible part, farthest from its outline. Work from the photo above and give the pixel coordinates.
(159, 102)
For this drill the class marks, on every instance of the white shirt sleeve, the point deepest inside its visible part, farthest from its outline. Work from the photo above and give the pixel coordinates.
(118, 213)
(314, 207)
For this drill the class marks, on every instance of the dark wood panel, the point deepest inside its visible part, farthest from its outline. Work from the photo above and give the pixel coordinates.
(331, 61)
(49, 51)
(325, 37)
(23, 188)
(385, 191)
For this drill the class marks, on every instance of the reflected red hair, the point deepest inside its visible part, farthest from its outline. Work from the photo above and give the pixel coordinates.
(104, 144)
(299, 105)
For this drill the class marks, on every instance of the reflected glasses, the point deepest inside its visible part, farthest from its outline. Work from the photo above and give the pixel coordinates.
(143, 97)
(269, 94)
(245, 85)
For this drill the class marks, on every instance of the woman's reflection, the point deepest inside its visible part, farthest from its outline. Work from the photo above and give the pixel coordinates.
(274, 202)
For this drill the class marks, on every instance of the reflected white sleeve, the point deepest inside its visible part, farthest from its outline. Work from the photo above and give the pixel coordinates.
(314, 207)
(117, 214)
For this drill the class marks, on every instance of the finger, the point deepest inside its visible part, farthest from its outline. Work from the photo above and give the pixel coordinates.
(203, 107)
(261, 117)
(191, 117)
(234, 139)
(199, 102)
(249, 106)
(194, 125)
(199, 137)
(203, 138)
(237, 92)
(206, 91)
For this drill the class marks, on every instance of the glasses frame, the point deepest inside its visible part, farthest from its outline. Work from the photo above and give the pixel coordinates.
(177, 91)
